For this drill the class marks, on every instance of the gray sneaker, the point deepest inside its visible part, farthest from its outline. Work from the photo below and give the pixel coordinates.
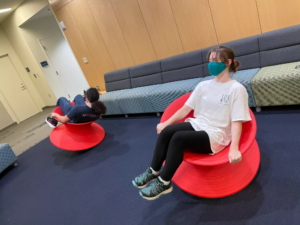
(155, 190)
(145, 178)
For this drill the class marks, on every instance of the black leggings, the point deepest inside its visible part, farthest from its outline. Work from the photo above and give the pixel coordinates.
(170, 146)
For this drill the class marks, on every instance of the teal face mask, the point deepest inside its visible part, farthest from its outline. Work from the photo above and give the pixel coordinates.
(216, 68)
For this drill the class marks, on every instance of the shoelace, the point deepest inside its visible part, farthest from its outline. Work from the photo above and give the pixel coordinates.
(157, 187)
(143, 177)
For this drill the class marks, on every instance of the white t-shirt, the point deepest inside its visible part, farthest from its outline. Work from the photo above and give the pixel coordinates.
(215, 106)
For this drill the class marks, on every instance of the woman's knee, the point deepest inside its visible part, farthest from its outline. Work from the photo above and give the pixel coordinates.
(62, 98)
(79, 96)
(178, 139)
(167, 131)
(79, 99)
(176, 145)
(59, 100)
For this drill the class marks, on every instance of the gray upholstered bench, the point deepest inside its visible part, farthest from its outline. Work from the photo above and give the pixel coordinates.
(152, 86)
(7, 157)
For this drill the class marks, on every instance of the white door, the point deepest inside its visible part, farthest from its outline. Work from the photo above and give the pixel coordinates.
(15, 92)
(63, 60)
(48, 71)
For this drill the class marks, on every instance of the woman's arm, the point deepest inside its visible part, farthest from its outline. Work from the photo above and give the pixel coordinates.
(235, 155)
(59, 118)
(181, 113)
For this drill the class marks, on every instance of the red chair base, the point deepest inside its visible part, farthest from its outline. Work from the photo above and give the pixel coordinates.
(77, 137)
(220, 180)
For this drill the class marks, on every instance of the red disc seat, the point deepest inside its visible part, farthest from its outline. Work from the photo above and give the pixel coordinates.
(76, 136)
(212, 176)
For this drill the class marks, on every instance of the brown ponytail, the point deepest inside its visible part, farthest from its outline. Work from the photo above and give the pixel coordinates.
(224, 54)
(99, 107)
(234, 66)
(92, 95)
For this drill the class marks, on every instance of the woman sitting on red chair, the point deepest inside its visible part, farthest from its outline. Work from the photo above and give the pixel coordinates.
(220, 107)
(85, 109)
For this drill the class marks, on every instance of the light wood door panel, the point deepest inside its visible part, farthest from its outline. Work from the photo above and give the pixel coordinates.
(276, 14)
(162, 27)
(134, 29)
(111, 32)
(235, 19)
(92, 36)
(194, 23)
(79, 47)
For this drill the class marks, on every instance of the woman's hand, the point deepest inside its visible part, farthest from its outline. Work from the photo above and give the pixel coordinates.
(234, 156)
(160, 127)
(181, 113)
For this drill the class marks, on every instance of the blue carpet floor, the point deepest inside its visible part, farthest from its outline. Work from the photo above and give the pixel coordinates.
(56, 187)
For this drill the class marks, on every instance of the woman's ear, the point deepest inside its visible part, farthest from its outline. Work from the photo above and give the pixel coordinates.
(229, 62)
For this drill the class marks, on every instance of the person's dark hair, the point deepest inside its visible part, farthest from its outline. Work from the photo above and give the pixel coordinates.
(92, 95)
(224, 54)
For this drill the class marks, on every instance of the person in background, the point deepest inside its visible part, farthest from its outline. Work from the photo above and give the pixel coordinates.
(86, 109)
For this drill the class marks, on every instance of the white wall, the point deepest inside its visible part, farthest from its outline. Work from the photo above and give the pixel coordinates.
(73, 81)
(39, 86)
(38, 29)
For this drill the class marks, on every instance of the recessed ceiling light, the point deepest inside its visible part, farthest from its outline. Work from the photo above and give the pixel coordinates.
(4, 10)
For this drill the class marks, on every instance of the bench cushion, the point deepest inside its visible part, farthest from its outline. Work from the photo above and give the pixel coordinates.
(277, 85)
(245, 77)
(109, 100)
(165, 94)
(137, 100)
(7, 156)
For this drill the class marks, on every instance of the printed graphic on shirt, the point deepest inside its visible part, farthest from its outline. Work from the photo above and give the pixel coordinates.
(89, 115)
(224, 99)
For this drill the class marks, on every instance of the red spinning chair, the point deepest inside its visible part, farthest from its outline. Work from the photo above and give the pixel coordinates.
(212, 176)
(76, 136)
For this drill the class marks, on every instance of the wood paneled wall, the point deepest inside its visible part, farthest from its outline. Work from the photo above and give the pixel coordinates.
(162, 28)
(276, 14)
(115, 34)
(235, 19)
(195, 23)
(135, 32)
(80, 48)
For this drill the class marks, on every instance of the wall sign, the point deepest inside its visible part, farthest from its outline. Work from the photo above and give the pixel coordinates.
(45, 63)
